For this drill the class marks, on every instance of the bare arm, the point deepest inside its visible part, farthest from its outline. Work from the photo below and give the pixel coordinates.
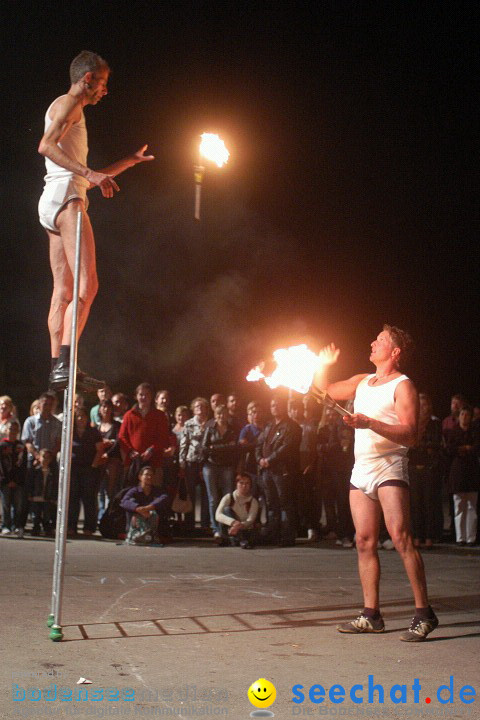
(65, 113)
(127, 162)
(406, 407)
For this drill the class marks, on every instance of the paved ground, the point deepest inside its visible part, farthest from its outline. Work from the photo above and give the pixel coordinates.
(189, 628)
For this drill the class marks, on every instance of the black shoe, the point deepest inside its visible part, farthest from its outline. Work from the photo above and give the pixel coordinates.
(58, 379)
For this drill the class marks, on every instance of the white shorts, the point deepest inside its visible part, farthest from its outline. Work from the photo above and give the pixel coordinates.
(368, 477)
(56, 194)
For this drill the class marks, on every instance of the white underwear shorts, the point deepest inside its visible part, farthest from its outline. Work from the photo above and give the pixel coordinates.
(56, 194)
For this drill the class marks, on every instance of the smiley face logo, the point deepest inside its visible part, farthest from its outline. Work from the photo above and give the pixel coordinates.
(262, 693)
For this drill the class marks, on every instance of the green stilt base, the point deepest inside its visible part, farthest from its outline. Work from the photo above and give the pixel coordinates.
(56, 633)
(50, 620)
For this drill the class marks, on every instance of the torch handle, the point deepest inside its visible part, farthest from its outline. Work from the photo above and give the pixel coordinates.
(322, 397)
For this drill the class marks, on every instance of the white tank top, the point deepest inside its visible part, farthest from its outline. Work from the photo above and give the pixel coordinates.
(374, 454)
(75, 144)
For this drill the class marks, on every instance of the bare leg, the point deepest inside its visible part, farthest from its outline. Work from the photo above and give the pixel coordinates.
(366, 518)
(62, 291)
(395, 502)
(62, 260)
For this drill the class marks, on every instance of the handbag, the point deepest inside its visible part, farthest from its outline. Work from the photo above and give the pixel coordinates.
(182, 502)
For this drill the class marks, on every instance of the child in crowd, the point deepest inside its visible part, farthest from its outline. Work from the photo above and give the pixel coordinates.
(42, 492)
(12, 474)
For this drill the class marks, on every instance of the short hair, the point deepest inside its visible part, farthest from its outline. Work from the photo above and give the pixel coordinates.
(144, 386)
(7, 400)
(467, 408)
(401, 340)
(244, 476)
(84, 62)
(219, 409)
(181, 408)
(144, 469)
(48, 395)
(203, 401)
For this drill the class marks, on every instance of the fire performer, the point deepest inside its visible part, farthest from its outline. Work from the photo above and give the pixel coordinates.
(385, 421)
(64, 146)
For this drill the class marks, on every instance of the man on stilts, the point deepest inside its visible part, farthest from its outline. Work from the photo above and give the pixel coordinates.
(64, 146)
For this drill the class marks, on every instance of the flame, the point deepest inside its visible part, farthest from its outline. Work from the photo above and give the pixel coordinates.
(212, 148)
(295, 369)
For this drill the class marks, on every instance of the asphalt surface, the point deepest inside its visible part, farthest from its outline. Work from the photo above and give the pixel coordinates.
(189, 627)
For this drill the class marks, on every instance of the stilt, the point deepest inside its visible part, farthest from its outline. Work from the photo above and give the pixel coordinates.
(55, 619)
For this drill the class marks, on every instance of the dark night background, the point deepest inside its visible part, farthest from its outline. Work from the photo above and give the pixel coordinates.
(350, 198)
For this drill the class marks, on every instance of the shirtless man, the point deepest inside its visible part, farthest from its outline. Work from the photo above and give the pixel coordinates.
(385, 421)
(64, 146)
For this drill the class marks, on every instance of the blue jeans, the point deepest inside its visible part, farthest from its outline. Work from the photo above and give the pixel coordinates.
(219, 481)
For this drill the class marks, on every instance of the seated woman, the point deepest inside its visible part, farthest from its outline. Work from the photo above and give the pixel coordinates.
(147, 510)
(237, 513)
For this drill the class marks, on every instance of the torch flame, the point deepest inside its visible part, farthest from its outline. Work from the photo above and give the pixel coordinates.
(295, 369)
(212, 148)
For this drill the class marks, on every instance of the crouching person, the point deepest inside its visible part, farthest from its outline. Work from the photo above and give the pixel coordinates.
(147, 509)
(236, 514)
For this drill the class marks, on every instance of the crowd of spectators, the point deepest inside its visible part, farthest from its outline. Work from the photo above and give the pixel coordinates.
(151, 473)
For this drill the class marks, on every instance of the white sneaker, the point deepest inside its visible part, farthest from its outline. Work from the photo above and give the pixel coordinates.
(19, 532)
(388, 544)
(347, 543)
(6, 531)
(312, 535)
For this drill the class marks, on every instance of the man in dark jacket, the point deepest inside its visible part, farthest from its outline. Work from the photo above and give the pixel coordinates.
(278, 458)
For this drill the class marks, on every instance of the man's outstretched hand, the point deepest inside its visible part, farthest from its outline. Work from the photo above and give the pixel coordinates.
(140, 156)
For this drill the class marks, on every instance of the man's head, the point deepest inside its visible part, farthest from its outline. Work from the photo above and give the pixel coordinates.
(45, 404)
(216, 399)
(144, 395)
(244, 484)
(279, 407)
(254, 413)
(295, 409)
(232, 403)
(162, 400)
(120, 404)
(425, 405)
(392, 344)
(90, 71)
(145, 479)
(104, 393)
